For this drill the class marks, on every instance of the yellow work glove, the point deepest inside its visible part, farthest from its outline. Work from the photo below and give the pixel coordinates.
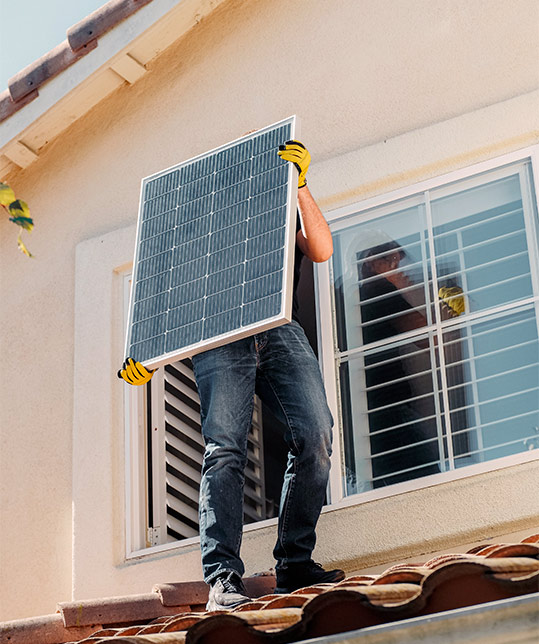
(453, 297)
(296, 153)
(134, 373)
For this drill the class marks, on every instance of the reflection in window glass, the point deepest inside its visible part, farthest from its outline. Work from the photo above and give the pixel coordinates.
(500, 368)
(480, 243)
(380, 275)
(435, 372)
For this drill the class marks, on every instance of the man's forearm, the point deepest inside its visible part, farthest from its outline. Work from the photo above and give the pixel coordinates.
(315, 241)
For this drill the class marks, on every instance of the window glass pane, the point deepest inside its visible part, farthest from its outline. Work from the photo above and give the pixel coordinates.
(380, 271)
(480, 243)
(392, 422)
(493, 379)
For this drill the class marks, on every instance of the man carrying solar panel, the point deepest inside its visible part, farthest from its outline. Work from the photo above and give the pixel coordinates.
(285, 371)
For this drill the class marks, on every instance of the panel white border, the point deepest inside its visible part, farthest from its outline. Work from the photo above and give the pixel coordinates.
(285, 315)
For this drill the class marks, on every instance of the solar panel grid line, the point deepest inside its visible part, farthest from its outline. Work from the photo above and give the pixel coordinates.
(215, 249)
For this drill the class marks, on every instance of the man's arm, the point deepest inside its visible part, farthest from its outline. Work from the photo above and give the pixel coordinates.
(316, 243)
(314, 240)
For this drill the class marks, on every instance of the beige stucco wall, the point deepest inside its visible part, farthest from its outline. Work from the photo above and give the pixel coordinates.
(389, 92)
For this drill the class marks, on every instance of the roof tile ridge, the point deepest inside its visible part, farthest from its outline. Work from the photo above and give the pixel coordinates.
(116, 610)
(31, 77)
(100, 21)
(81, 39)
(45, 629)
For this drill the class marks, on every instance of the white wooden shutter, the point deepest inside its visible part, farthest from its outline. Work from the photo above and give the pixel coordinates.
(175, 453)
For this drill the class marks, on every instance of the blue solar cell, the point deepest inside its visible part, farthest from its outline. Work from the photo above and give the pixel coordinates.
(154, 265)
(183, 336)
(265, 243)
(154, 246)
(150, 307)
(147, 349)
(267, 200)
(222, 323)
(228, 237)
(147, 287)
(261, 309)
(227, 257)
(211, 246)
(157, 225)
(234, 155)
(262, 287)
(185, 314)
(159, 205)
(231, 176)
(228, 196)
(195, 190)
(197, 169)
(267, 221)
(188, 292)
(268, 263)
(229, 216)
(225, 279)
(149, 328)
(269, 180)
(190, 250)
(194, 210)
(192, 230)
(224, 301)
(189, 271)
(163, 184)
(266, 161)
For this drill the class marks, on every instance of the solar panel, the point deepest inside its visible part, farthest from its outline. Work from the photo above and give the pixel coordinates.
(215, 249)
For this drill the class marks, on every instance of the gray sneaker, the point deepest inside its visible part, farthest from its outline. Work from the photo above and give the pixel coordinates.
(227, 591)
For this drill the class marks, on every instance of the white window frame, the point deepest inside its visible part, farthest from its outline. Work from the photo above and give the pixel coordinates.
(135, 414)
(325, 307)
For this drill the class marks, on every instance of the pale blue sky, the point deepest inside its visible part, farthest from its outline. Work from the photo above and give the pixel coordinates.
(30, 28)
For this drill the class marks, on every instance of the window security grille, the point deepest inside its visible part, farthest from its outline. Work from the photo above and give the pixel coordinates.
(426, 388)
(174, 457)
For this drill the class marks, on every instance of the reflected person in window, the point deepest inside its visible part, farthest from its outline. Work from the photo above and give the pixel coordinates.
(280, 366)
(404, 443)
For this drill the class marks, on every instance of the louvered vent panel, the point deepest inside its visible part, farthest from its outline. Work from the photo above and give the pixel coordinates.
(184, 450)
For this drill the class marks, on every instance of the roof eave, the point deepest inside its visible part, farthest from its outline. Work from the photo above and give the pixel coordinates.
(75, 81)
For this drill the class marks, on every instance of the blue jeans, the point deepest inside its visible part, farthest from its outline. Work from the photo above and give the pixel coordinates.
(279, 365)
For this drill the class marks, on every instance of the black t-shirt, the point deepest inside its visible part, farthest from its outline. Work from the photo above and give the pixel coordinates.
(298, 257)
(386, 364)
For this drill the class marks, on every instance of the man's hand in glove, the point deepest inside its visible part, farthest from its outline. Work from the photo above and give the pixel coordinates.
(134, 373)
(296, 153)
(453, 297)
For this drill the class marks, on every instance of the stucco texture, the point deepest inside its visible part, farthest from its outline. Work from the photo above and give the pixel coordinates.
(359, 73)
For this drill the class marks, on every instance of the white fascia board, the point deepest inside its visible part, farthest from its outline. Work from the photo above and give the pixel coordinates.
(169, 19)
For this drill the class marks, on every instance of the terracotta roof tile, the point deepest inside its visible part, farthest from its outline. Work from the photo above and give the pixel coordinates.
(81, 39)
(515, 550)
(447, 582)
(56, 60)
(48, 629)
(114, 610)
(534, 538)
(101, 21)
(196, 592)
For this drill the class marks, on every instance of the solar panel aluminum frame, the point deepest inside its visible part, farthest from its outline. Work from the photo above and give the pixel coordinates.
(285, 314)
